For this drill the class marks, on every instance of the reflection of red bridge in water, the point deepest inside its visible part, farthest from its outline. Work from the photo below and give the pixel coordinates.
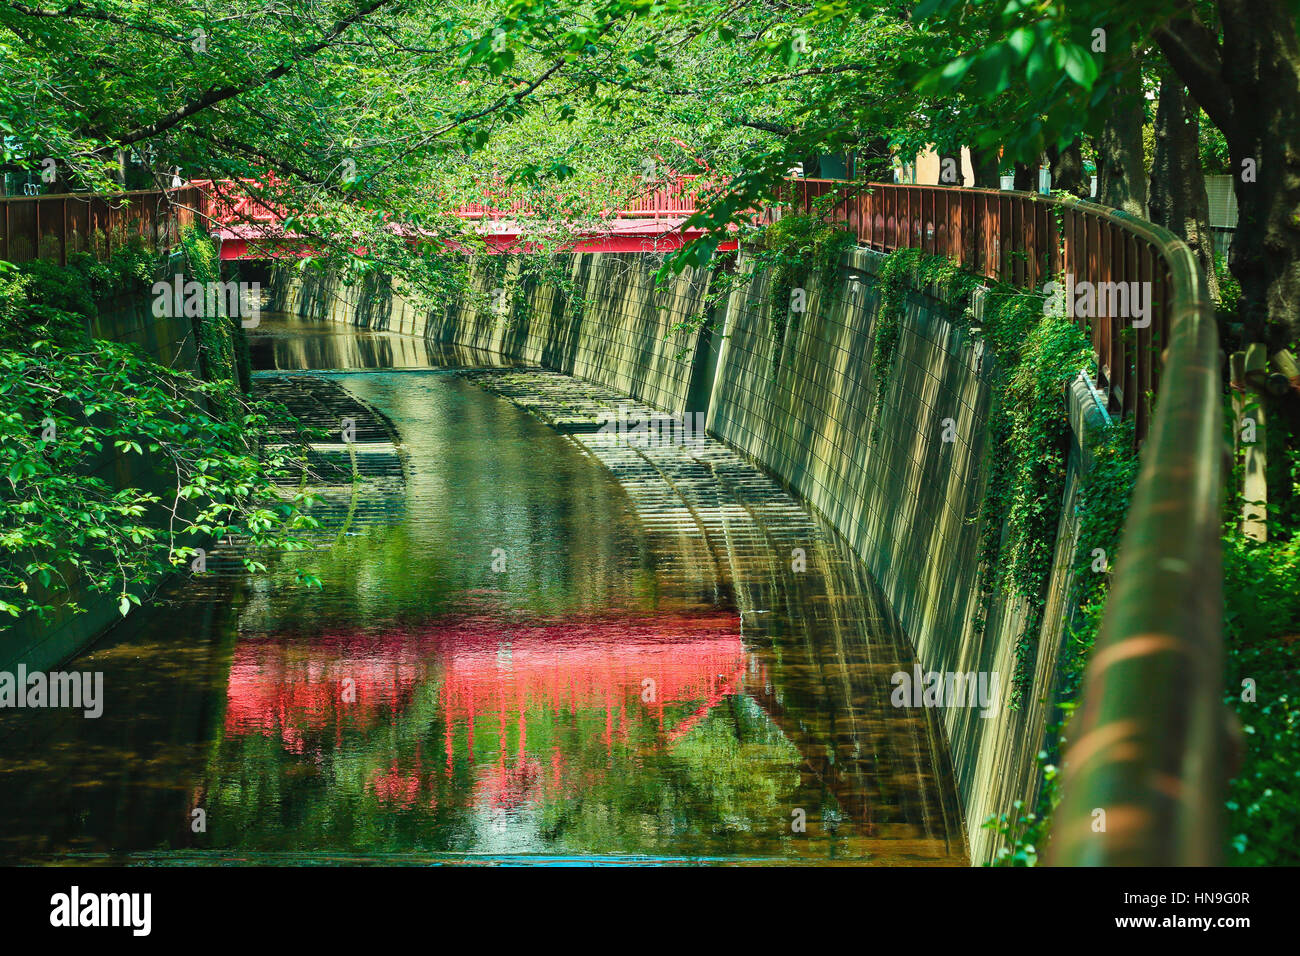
(540, 712)
(667, 672)
(653, 221)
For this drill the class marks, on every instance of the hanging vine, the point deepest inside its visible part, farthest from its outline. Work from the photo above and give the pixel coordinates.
(1104, 494)
(789, 252)
(902, 271)
(1034, 355)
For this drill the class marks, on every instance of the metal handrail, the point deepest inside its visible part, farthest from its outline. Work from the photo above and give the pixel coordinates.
(1148, 745)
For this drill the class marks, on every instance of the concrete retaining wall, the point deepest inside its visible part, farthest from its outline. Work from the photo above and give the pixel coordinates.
(906, 499)
(805, 408)
(614, 327)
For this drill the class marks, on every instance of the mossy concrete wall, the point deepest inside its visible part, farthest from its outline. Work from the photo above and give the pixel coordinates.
(900, 468)
(803, 404)
(44, 644)
(608, 321)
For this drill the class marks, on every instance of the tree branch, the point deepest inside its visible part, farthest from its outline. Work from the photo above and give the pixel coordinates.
(780, 129)
(515, 97)
(217, 94)
(79, 11)
(1193, 50)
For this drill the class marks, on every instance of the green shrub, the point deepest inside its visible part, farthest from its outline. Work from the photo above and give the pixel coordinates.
(1262, 636)
(58, 288)
(134, 264)
(68, 397)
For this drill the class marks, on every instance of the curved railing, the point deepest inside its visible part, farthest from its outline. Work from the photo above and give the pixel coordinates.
(1148, 746)
(1145, 769)
(1028, 239)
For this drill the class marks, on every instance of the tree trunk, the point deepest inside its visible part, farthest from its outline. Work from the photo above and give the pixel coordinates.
(1067, 169)
(1121, 170)
(1250, 87)
(984, 163)
(875, 161)
(1262, 69)
(1178, 199)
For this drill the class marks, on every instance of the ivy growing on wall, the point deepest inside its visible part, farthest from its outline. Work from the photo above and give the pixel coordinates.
(553, 272)
(901, 271)
(789, 252)
(1034, 355)
(508, 287)
(723, 278)
(792, 250)
(222, 345)
(1103, 500)
(1104, 494)
(1055, 350)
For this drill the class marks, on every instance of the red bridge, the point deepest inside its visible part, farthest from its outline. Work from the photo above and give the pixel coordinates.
(251, 228)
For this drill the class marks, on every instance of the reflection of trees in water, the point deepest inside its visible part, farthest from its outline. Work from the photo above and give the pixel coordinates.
(289, 342)
(127, 779)
(823, 637)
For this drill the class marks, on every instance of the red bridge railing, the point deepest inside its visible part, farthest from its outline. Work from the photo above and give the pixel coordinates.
(675, 197)
(227, 201)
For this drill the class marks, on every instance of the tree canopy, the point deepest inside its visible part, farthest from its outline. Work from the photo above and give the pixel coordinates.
(364, 112)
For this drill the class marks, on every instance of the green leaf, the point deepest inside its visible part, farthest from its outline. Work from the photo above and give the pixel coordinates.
(1039, 67)
(992, 68)
(1079, 65)
(1021, 41)
(929, 7)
